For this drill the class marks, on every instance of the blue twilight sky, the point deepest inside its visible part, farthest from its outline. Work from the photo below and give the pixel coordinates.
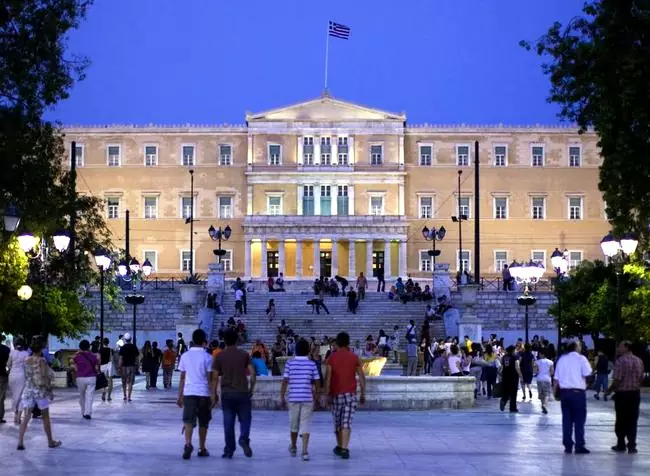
(209, 61)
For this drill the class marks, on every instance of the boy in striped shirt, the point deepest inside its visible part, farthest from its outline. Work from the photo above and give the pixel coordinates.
(300, 377)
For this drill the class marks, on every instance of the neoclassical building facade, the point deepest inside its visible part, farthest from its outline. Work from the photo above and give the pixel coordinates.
(328, 187)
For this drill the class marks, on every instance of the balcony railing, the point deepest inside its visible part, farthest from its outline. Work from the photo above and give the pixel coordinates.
(315, 220)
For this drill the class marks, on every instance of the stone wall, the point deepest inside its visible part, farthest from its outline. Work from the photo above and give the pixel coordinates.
(499, 310)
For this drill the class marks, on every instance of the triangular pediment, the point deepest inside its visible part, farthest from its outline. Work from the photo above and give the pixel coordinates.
(325, 109)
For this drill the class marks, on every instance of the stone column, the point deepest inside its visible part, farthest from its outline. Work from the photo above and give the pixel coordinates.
(264, 260)
(299, 194)
(316, 199)
(350, 199)
(300, 146)
(334, 197)
(247, 259)
(298, 259)
(369, 259)
(335, 258)
(402, 259)
(335, 149)
(249, 200)
(317, 258)
(351, 154)
(387, 259)
(352, 261)
(281, 258)
(400, 200)
(316, 150)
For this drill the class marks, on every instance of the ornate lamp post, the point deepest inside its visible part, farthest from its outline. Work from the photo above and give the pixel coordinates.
(135, 299)
(460, 218)
(218, 234)
(526, 274)
(618, 253)
(10, 218)
(103, 262)
(434, 235)
(560, 263)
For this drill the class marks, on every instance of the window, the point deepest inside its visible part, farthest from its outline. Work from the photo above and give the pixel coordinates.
(152, 256)
(225, 207)
(186, 260)
(463, 258)
(426, 261)
(500, 208)
(114, 155)
(308, 151)
(500, 156)
(426, 207)
(151, 207)
(575, 156)
(274, 205)
(376, 205)
(308, 200)
(186, 208)
(537, 156)
(113, 208)
(225, 155)
(227, 261)
(426, 153)
(575, 258)
(79, 155)
(326, 151)
(150, 155)
(500, 259)
(462, 155)
(343, 205)
(538, 208)
(376, 154)
(343, 151)
(538, 256)
(275, 154)
(575, 208)
(325, 200)
(187, 153)
(464, 206)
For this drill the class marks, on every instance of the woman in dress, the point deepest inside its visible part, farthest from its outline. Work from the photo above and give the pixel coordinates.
(16, 366)
(37, 393)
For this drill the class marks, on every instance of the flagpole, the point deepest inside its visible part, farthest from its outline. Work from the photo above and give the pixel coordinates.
(327, 54)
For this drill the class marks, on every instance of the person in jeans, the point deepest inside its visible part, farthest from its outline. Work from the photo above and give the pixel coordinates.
(602, 375)
(628, 376)
(362, 285)
(129, 355)
(86, 368)
(301, 378)
(194, 392)
(230, 369)
(343, 367)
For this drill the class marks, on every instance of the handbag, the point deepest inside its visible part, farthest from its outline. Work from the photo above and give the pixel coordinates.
(101, 381)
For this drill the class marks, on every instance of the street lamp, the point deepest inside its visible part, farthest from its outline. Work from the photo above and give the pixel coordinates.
(618, 253)
(10, 218)
(560, 263)
(24, 294)
(218, 234)
(460, 218)
(135, 300)
(103, 262)
(130, 273)
(526, 274)
(434, 235)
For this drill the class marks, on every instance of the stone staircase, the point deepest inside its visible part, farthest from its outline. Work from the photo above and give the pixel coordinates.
(374, 313)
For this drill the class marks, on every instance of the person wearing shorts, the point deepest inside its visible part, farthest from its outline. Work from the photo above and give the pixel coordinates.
(300, 377)
(194, 395)
(129, 355)
(343, 367)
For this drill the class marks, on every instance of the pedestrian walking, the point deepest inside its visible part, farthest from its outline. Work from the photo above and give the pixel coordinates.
(343, 367)
(181, 347)
(411, 358)
(526, 366)
(168, 361)
(194, 393)
(301, 378)
(37, 393)
(510, 377)
(4, 376)
(230, 369)
(602, 375)
(571, 372)
(106, 366)
(128, 364)
(628, 376)
(86, 368)
(362, 285)
(544, 375)
(16, 367)
(381, 282)
(154, 367)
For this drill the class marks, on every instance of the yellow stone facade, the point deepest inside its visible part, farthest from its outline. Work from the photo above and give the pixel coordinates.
(330, 187)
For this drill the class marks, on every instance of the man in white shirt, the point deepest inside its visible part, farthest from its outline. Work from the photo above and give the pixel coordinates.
(194, 395)
(239, 300)
(572, 370)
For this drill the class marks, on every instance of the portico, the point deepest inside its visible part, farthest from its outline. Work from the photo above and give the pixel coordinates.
(310, 247)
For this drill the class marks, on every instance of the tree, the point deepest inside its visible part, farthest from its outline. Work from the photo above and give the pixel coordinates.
(637, 311)
(599, 72)
(35, 73)
(589, 305)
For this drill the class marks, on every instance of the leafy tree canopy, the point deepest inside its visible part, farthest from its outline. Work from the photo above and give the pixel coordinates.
(599, 69)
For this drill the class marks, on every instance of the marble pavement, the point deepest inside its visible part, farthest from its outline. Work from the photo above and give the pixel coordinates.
(143, 438)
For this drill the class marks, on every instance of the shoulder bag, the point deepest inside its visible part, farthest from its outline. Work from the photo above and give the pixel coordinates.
(101, 381)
